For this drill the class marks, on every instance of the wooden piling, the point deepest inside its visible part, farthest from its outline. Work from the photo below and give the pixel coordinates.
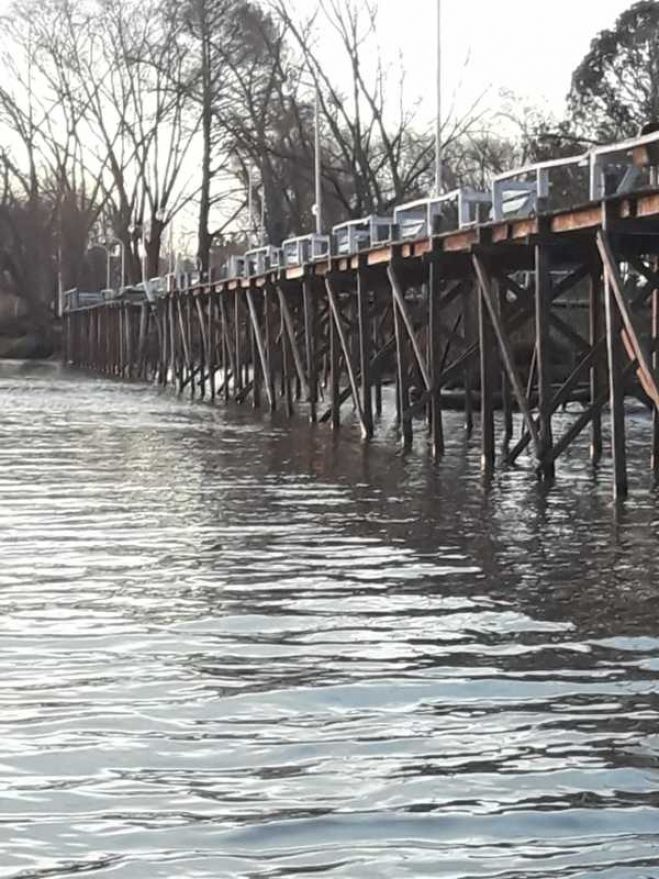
(655, 364)
(597, 376)
(616, 388)
(435, 357)
(487, 359)
(546, 467)
(311, 345)
(364, 350)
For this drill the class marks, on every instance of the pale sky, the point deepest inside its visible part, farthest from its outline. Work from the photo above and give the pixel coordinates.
(526, 46)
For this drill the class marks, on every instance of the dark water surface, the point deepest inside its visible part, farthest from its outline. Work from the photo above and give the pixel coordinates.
(234, 647)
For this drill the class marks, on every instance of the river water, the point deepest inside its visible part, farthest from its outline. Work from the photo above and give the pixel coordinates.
(231, 646)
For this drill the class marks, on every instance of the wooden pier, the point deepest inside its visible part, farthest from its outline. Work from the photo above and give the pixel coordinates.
(482, 309)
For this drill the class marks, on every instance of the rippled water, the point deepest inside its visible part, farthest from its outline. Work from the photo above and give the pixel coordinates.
(230, 646)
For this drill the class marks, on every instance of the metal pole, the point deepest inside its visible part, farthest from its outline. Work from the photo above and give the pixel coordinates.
(60, 282)
(262, 230)
(438, 121)
(317, 165)
(250, 206)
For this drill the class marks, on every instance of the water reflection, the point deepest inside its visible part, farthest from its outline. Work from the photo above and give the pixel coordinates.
(230, 646)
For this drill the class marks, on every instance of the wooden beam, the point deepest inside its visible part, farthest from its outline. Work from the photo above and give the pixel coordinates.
(616, 387)
(586, 416)
(569, 333)
(506, 350)
(285, 366)
(403, 392)
(655, 363)
(268, 345)
(399, 302)
(434, 360)
(506, 396)
(184, 341)
(227, 354)
(364, 350)
(237, 355)
(335, 397)
(487, 350)
(188, 330)
(290, 329)
(336, 314)
(311, 345)
(542, 350)
(203, 350)
(645, 371)
(562, 395)
(260, 345)
(597, 377)
(212, 345)
(467, 332)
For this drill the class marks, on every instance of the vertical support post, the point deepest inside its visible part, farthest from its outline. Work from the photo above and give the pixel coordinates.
(542, 308)
(597, 378)
(334, 374)
(238, 360)
(121, 347)
(655, 366)
(141, 341)
(434, 358)
(202, 343)
(212, 344)
(245, 334)
(190, 340)
(183, 347)
(487, 350)
(226, 354)
(171, 325)
(285, 364)
(311, 345)
(468, 333)
(616, 388)
(364, 351)
(129, 340)
(256, 371)
(403, 395)
(269, 355)
(506, 390)
(164, 341)
(378, 377)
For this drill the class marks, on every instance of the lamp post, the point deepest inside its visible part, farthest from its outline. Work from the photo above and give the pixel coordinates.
(250, 206)
(262, 225)
(438, 120)
(318, 207)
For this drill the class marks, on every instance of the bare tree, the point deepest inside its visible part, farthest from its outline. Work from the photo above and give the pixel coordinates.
(48, 206)
(113, 65)
(374, 153)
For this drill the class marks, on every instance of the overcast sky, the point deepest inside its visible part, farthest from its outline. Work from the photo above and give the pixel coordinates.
(526, 46)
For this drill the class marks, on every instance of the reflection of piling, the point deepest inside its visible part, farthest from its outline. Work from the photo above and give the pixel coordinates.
(429, 315)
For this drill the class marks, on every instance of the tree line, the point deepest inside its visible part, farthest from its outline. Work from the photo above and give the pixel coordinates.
(118, 116)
